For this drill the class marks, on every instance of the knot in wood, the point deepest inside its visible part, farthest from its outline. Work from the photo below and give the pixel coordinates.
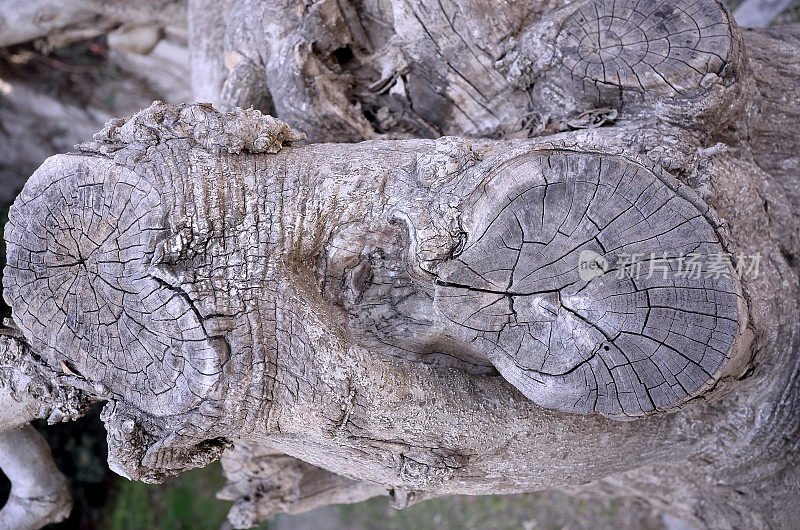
(452, 155)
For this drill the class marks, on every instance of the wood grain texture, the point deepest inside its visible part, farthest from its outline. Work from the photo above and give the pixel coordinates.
(408, 69)
(380, 310)
(668, 48)
(679, 61)
(165, 266)
(639, 334)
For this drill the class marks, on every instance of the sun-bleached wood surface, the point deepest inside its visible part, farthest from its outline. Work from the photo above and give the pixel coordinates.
(417, 316)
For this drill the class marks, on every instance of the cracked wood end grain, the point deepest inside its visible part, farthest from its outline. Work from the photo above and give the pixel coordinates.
(157, 274)
(666, 48)
(639, 331)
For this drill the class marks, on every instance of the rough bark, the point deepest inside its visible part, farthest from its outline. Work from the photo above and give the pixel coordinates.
(412, 314)
(263, 482)
(39, 492)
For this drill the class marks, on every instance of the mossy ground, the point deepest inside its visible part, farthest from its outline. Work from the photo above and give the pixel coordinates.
(186, 502)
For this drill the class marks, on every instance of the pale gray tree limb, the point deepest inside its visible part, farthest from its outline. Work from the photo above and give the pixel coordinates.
(207, 22)
(39, 492)
(263, 482)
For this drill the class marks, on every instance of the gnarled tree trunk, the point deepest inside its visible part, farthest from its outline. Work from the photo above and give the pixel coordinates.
(591, 284)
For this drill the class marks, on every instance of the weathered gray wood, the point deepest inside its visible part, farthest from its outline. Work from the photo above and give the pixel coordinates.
(228, 266)
(641, 333)
(28, 390)
(113, 269)
(409, 69)
(263, 482)
(655, 49)
(206, 21)
(350, 306)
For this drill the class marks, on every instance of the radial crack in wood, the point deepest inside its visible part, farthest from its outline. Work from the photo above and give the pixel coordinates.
(89, 298)
(143, 272)
(422, 71)
(682, 61)
(665, 48)
(314, 299)
(580, 280)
